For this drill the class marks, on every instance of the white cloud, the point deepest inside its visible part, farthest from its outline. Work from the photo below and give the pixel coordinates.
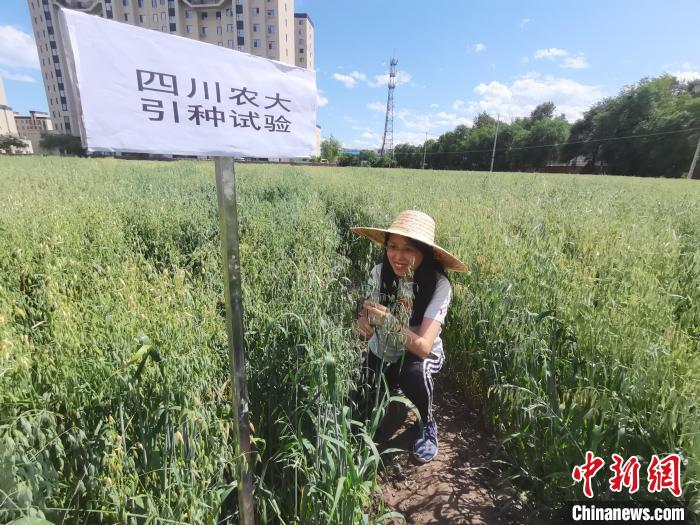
(441, 120)
(17, 48)
(376, 106)
(524, 60)
(402, 77)
(416, 138)
(350, 80)
(346, 80)
(321, 100)
(550, 52)
(575, 62)
(493, 90)
(434, 105)
(19, 77)
(524, 22)
(687, 76)
(479, 47)
(457, 104)
(569, 61)
(520, 97)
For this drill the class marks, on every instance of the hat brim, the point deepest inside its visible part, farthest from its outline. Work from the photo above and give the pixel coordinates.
(448, 261)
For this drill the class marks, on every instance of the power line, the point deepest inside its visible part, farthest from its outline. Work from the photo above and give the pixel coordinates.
(627, 137)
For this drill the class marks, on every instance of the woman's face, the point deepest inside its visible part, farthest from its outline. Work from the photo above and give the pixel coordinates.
(402, 254)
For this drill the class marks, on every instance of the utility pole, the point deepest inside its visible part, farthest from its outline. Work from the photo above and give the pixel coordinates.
(695, 161)
(495, 138)
(425, 147)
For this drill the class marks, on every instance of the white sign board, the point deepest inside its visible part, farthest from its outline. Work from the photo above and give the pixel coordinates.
(145, 91)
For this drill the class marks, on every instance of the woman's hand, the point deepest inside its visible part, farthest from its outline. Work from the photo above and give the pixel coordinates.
(376, 313)
(363, 326)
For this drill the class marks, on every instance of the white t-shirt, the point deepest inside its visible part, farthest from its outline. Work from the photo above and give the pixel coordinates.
(384, 345)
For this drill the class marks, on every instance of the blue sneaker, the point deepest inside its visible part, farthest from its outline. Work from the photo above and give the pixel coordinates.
(426, 446)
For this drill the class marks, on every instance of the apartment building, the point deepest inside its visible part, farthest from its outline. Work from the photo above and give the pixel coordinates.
(266, 28)
(31, 128)
(303, 41)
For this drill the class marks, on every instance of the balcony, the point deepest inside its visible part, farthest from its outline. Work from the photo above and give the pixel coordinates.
(82, 5)
(204, 3)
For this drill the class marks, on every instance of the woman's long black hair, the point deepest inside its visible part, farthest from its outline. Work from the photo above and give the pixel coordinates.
(424, 280)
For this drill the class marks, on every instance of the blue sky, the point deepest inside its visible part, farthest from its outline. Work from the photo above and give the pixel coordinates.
(456, 58)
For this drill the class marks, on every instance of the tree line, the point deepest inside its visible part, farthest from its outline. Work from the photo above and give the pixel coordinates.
(649, 129)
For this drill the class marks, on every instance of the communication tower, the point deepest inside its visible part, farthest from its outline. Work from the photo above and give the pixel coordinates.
(388, 140)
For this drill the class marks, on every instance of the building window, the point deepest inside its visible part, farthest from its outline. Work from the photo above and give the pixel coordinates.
(204, 30)
(241, 32)
(204, 15)
(220, 44)
(164, 29)
(270, 30)
(155, 17)
(256, 28)
(229, 28)
(219, 30)
(218, 15)
(256, 43)
(270, 12)
(162, 16)
(188, 29)
(64, 107)
(301, 50)
(230, 44)
(229, 11)
(126, 17)
(241, 48)
(154, 3)
(239, 17)
(125, 3)
(256, 11)
(171, 19)
(162, 2)
(301, 22)
(141, 19)
(188, 13)
(271, 44)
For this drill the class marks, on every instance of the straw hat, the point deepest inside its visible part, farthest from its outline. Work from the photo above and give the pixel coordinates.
(419, 226)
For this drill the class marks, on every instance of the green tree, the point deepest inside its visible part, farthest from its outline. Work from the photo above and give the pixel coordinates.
(7, 142)
(65, 144)
(345, 159)
(330, 148)
(648, 109)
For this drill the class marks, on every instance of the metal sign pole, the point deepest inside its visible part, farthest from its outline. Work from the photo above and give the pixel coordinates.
(228, 224)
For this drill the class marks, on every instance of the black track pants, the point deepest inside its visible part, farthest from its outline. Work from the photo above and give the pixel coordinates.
(413, 376)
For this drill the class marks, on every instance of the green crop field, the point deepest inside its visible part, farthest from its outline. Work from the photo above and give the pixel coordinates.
(577, 328)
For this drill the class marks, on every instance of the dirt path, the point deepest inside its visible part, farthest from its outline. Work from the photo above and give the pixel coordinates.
(460, 484)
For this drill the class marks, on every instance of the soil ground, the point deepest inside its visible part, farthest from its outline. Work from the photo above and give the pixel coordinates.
(460, 486)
